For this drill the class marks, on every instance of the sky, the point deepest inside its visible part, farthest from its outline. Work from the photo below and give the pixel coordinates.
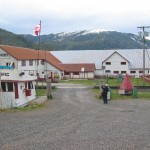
(21, 16)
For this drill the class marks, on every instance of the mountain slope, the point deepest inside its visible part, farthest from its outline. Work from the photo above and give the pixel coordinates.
(82, 40)
(9, 38)
(89, 40)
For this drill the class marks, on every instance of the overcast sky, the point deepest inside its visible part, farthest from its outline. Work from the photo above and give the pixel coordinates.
(21, 16)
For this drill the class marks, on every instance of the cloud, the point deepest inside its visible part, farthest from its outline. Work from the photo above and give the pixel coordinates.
(71, 15)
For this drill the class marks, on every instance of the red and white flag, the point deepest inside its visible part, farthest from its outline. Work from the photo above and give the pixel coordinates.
(37, 29)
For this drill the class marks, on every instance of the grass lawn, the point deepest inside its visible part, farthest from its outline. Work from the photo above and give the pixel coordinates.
(41, 92)
(113, 82)
(110, 82)
(116, 95)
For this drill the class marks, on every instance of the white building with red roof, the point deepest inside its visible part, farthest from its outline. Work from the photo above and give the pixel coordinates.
(109, 62)
(79, 71)
(19, 69)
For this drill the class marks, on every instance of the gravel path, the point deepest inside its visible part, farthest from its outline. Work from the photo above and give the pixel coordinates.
(76, 120)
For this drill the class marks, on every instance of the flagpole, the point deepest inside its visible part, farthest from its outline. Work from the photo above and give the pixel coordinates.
(38, 52)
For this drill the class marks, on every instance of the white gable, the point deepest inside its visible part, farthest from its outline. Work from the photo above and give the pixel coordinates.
(115, 57)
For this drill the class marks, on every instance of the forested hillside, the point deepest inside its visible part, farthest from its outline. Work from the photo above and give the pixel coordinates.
(83, 40)
(9, 38)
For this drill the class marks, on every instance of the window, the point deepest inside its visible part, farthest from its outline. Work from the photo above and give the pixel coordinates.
(140, 71)
(76, 73)
(116, 72)
(37, 74)
(12, 64)
(10, 87)
(30, 62)
(7, 86)
(123, 72)
(108, 63)
(7, 64)
(132, 71)
(123, 63)
(37, 62)
(42, 62)
(107, 71)
(66, 73)
(30, 85)
(23, 63)
(3, 85)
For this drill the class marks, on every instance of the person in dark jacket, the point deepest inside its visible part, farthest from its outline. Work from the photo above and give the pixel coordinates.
(104, 93)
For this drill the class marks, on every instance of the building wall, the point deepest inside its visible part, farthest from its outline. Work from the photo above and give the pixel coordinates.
(99, 72)
(6, 58)
(8, 98)
(138, 73)
(87, 75)
(41, 68)
(115, 65)
(23, 99)
(81, 75)
(53, 69)
(15, 74)
(32, 69)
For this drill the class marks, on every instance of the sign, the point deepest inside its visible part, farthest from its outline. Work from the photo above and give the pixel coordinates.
(6, 74)
(6, 67)
(4, 55)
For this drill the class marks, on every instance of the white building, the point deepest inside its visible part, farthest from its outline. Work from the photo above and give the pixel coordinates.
(109, 62)
(117, 64)
(26, 66)
(79, 71)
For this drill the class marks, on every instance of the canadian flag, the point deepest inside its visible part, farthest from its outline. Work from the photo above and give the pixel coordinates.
(37, 29)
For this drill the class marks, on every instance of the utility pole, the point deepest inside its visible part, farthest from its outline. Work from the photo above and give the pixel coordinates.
(144, 47)
(48, 77)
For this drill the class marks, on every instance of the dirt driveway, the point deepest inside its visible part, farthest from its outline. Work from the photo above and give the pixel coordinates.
(76, 120)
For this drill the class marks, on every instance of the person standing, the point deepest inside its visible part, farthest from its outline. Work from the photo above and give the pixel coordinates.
(104, 93)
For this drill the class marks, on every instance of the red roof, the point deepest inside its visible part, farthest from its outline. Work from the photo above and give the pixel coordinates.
(21, 53)
(78, 67)
(126, 84)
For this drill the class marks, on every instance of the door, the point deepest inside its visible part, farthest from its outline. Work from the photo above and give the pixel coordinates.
(16, 90)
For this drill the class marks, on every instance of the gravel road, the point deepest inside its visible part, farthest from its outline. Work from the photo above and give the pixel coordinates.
(76, 120)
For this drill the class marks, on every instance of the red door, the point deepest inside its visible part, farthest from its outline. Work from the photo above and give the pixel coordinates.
(16, 90)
